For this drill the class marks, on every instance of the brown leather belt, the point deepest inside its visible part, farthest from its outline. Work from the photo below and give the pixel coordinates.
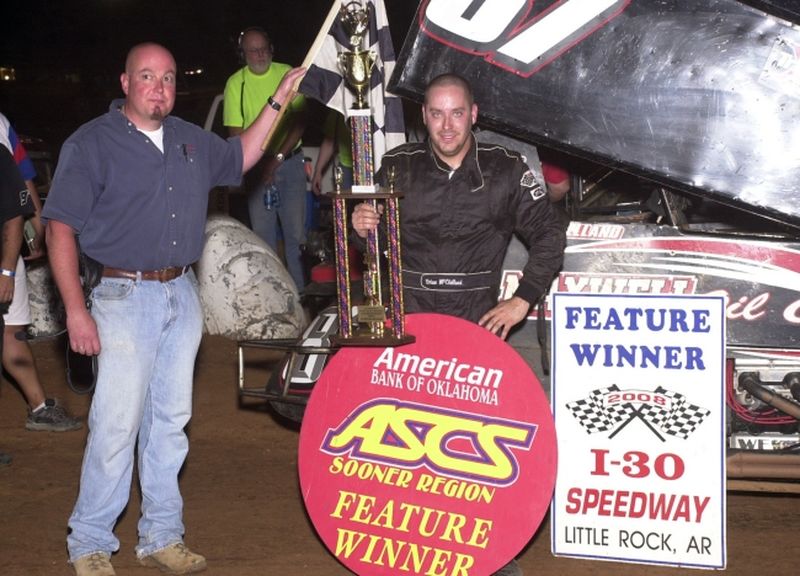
(292, 153)
(162, 275)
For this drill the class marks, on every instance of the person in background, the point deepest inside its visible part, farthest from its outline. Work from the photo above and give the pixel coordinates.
(14, 204)
(132, 186)
(10, 139)
(44, 414)
(336, 138)
(556, 180)
(463, 201)
(276, 187)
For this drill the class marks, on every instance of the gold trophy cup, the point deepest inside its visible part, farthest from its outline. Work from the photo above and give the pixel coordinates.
(357, 68)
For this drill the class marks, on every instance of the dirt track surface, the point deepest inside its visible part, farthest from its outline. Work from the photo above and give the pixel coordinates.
(243, 509)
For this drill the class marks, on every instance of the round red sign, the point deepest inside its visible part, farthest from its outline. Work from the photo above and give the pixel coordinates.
(436, 457)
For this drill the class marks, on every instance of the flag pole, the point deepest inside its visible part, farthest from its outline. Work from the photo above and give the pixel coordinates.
(312, 53)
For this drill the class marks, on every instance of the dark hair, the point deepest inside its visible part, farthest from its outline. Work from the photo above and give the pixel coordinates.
(450, 79)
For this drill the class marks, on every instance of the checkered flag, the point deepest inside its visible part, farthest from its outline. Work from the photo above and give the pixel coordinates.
(324, 82)
(593, 416)
(684, 417)
(678, 419)
(656, 415)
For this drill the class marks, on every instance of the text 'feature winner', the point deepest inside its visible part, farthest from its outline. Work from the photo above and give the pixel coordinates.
(638, 398)
(435, 458)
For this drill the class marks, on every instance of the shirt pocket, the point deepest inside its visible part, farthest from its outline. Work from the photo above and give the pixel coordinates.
(187, 170)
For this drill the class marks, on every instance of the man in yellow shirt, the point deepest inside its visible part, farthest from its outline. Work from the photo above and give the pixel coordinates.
(276, 186)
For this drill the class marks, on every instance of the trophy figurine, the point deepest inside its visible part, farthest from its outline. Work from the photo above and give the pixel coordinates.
(357, 65)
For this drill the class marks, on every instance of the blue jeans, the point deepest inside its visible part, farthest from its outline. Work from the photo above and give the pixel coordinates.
(149, 335)
(290, 178)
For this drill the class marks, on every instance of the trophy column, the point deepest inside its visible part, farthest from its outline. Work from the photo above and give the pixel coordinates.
(367, 327)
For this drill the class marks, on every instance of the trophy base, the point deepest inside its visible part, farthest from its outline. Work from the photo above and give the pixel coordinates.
(364, 339)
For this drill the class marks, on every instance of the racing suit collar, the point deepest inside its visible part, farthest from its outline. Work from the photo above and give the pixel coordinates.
(470, 166)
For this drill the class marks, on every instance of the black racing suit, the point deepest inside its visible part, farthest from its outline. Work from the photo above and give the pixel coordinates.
(455, 226)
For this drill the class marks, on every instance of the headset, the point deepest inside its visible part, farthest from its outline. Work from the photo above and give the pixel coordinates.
(240, 48)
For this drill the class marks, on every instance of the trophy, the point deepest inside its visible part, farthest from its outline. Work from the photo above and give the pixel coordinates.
(365, 324)
(357, 65)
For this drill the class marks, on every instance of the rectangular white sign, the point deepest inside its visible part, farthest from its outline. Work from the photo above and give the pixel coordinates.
(638, 397)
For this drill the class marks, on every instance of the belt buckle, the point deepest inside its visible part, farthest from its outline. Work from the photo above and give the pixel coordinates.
(162, 275)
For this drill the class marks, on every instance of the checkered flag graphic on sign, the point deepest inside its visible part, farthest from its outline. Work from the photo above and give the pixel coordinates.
(324, 81)
(591, 414)
(684, 417)
(658, 416)
(680, 419)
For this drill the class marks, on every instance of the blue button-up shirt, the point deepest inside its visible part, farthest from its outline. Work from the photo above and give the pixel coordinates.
(132, 206)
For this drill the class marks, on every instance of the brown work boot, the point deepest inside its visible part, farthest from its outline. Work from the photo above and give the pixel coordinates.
(175, 559)
(95, 564)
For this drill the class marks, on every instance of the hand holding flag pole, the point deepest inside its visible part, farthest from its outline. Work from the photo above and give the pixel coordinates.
(309, 59)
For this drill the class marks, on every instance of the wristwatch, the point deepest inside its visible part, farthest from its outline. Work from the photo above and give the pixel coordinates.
(274, 104)
(280, 157)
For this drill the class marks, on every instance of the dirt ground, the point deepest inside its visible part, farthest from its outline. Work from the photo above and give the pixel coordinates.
(243, 507)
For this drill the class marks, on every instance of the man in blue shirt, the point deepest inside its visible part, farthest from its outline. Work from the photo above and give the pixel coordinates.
(133, 186)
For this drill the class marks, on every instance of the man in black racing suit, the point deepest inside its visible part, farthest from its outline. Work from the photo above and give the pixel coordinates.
(462, 201)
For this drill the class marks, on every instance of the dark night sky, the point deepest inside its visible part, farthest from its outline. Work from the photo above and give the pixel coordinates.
(95, 34)
(49, 40)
